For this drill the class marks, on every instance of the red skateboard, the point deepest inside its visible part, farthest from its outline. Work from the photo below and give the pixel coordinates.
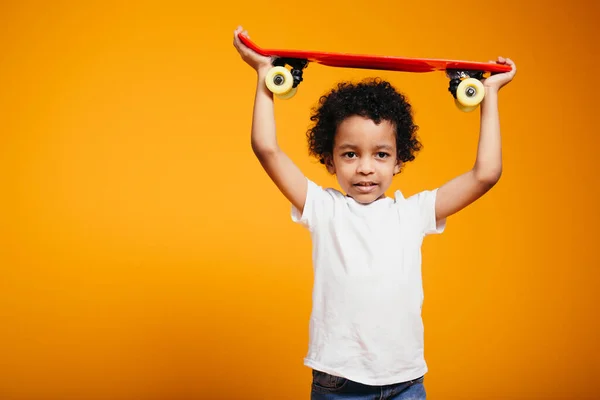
(465, 76)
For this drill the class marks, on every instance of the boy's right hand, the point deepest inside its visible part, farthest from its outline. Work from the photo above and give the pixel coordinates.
(259, 62)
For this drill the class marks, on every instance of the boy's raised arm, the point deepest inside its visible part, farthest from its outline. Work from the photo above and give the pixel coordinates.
(280, 168)
(463, 190)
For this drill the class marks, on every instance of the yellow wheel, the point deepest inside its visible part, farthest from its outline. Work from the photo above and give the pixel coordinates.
(285, 96)
(470, 92)
(464, 108)
(279, 80)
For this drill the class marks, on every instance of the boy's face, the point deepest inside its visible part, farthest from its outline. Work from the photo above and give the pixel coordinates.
(364, 158)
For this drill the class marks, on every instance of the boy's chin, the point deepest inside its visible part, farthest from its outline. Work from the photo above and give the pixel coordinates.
(366, 198)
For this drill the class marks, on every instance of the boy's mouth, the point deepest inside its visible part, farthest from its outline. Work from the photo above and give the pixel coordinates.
(365, 187)
(365, 183)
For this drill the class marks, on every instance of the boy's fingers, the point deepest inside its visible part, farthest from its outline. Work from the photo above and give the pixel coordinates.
(512, 64)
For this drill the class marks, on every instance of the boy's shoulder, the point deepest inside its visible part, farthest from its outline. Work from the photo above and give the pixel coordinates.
(315, 188)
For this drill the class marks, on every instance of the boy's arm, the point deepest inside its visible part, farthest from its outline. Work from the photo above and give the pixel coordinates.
(280, 168)
(470, 186)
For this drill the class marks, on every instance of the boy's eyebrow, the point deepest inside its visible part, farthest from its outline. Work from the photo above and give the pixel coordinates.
(378, 147)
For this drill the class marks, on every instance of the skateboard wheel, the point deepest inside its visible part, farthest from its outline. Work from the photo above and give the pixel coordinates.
(279, 80)
(285, 96)
(464, 108)
(470, 92)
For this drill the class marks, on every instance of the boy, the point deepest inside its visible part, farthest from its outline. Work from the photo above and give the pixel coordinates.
(366, 333)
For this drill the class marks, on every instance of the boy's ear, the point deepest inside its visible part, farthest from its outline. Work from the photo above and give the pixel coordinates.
(397, 167)
(328, 160)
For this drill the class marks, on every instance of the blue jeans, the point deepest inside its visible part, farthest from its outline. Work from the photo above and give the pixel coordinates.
(329, 387)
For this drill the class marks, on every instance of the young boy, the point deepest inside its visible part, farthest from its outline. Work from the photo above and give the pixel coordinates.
(366, 333)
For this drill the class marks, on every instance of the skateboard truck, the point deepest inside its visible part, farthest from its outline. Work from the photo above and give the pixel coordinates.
(283, 82)
(297, 66)
(466, 88)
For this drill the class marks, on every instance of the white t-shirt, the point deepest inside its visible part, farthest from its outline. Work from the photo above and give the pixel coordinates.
(365, 323)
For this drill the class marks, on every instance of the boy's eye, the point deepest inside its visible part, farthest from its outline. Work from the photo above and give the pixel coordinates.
(382, 154)
(350, 154)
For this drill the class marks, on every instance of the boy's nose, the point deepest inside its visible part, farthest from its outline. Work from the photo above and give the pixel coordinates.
(365, 166)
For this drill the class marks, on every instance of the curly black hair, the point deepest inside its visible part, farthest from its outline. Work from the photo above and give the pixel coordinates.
(371, 98)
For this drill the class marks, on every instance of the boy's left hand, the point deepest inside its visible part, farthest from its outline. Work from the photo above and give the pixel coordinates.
(497, 81)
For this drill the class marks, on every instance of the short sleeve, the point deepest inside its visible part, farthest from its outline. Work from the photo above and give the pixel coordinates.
(316, 204)
(425, 203)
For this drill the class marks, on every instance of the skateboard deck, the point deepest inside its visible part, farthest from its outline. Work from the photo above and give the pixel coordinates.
(465, 76)
(365, 61)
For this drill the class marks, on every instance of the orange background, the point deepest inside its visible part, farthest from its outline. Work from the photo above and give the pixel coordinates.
(145, 254)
